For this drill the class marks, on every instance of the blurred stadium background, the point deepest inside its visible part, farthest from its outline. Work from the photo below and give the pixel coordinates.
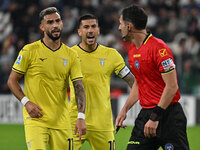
(177, 22)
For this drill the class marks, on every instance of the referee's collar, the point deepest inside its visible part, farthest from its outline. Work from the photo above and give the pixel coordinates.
(147, 37)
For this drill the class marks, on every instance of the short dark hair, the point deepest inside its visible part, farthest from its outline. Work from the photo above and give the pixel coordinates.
(136, 15)
(48, 11)
(86, 17)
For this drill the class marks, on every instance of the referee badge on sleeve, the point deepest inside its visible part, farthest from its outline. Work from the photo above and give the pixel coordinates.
(168, 65)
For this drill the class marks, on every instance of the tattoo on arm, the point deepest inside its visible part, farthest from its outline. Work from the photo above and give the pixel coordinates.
(20, 90)
(79, 95)
(130, 79)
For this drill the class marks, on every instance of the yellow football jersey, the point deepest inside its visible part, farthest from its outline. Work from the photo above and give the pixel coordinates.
(47, 73)
(97, 67)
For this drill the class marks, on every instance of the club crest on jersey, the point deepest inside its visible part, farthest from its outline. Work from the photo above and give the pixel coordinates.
(137, 65)
(102, 61)
(163, 52)
(64, 61)
(19, 59)
(169, 147)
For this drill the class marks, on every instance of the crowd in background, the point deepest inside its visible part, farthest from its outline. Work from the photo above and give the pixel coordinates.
(177, 22)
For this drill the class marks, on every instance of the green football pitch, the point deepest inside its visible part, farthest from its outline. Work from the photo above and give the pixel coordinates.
(12, 138)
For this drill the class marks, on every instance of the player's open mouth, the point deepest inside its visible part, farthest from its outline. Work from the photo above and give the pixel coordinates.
(90, 37)
(56, 31)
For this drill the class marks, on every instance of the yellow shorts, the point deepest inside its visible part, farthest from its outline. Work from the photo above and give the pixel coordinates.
(37, 138)
(98, 140)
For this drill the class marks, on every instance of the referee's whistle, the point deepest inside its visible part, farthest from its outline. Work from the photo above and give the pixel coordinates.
(118, 127)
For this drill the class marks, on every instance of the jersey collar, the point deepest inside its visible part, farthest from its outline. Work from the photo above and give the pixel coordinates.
(88, 51)
(147, 37)
(50, 48)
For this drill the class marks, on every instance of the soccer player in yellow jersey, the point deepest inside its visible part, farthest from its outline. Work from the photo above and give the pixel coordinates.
(47, 65)
(97, 64)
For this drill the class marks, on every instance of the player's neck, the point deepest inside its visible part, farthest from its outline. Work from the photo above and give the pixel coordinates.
(54, 45)
(138, 38)
(88, 48)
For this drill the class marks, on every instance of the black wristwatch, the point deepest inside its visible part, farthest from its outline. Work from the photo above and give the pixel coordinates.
(154, 117)
(157, 113)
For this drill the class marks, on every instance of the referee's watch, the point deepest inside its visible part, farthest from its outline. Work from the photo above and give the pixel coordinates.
(157, 113)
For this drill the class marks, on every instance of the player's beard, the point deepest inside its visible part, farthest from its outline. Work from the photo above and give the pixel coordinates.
(54, 38)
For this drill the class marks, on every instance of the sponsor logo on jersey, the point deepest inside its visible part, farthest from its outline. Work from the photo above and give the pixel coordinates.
(42, 59)
(137, 55)
(169, 146)
(163, 52)
(19, 59)
(168, 65)
(65, 61)
(102, 61)
(137, 65)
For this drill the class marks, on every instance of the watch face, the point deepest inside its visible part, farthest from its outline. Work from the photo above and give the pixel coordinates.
(154, 117)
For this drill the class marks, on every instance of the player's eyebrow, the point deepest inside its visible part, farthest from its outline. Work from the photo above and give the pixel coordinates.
(52, 20)
(94, 25)
(49, 21)
(58, 20)
(86, 26)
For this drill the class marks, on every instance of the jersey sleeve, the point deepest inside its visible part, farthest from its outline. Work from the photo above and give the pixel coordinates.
(120, 68)
(164, 59)
(22, 62)
(75, 71)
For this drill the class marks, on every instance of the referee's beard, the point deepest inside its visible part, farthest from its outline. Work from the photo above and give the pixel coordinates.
(126, 37)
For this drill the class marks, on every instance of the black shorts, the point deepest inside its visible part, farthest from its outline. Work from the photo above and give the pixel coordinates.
(171, 132)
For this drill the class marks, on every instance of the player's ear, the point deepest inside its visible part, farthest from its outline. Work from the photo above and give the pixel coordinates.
(41, 27)
(129, 27)
(98, 31)
(79, 32)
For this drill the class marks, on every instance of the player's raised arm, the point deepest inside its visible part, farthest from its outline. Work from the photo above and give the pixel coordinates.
(33, 109)
(80, 100)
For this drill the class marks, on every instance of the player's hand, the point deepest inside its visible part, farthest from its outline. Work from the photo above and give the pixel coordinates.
(119, 121)
(150, 128)
(80, 128)
(33, 110)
